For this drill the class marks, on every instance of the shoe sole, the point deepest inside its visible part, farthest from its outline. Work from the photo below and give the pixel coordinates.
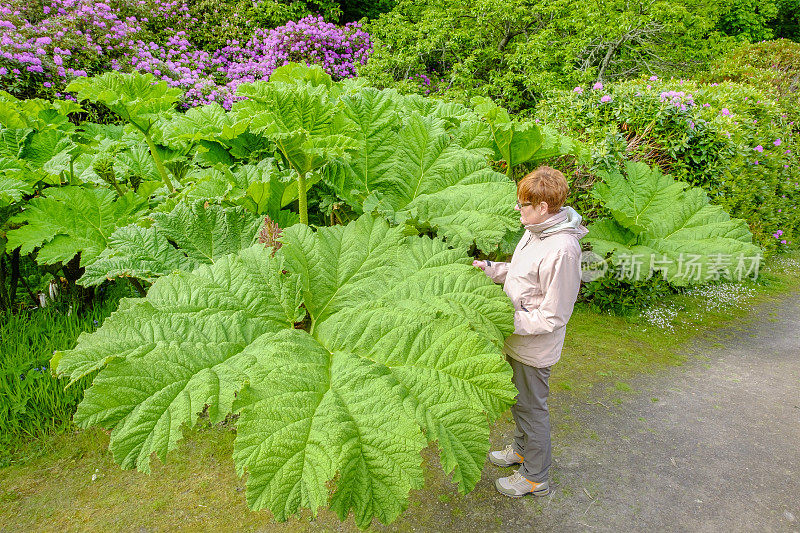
(535, 493)
(544, 492)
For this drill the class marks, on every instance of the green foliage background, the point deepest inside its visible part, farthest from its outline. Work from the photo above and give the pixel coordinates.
(387, 162)
(518, 51)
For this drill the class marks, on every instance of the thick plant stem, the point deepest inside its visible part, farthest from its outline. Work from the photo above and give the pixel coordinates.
(137, 286)
(3, 300)
(12, 290)
(30, 292)
(301, 197)
(159, 163)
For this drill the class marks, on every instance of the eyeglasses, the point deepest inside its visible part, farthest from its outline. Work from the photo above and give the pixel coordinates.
(520, 206)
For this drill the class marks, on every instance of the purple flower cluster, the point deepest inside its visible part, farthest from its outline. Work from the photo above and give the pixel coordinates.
(73, 38)
(778, 234)
(425, 80)
(678, 98)
(182, 65)
(337, 49)
(426, 85)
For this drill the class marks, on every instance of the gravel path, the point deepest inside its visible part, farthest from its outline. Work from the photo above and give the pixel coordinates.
(713, 445)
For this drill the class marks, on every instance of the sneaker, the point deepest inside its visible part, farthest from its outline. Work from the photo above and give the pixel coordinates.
(505, 457)
(517, 486)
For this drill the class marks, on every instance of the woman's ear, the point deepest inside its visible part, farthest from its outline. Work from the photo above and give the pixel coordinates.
(543, 207)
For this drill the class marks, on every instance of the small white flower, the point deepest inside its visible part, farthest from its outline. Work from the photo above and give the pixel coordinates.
(661, 315)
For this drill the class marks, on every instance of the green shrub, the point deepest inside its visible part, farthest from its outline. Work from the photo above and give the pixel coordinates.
(772, 66)
(758, 20)
(748, 19)
(516, 52)
(731, 139)
(610, 294)
(787, 23)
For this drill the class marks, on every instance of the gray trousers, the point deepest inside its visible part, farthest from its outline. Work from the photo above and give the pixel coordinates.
(532, 434)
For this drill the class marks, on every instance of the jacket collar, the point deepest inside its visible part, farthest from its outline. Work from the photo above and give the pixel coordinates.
(566, 220)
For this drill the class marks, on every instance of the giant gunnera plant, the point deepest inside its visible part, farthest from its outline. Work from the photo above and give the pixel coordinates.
(344, 352)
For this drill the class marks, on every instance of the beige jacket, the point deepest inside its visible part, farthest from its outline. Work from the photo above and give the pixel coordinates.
(542, 280)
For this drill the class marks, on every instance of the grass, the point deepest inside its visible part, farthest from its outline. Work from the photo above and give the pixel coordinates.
(35, 403)
(198, 489)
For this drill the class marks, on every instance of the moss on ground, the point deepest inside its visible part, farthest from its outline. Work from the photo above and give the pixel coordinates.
(70, 482)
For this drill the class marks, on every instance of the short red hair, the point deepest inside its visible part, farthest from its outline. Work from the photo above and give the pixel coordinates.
(545, 184)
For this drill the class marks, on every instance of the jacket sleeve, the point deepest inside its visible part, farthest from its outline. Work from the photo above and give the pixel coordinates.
(497, 271)
(561, 281)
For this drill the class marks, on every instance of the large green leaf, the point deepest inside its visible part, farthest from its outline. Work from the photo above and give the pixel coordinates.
(35, 113)
(44, 146)
(136, 252)
(12, 190)
(415, 170)
(70, 220)
(656, 216)
(11, 116)
(204, 123)
(375, 115)
(206, 233)
(138, 98)
(183, 239)
(302, 121)
(517, 142)
(218, 135)
(401, 346)
(451, 112)
(137, 163)
(12, 142)
(262, 189)
(297, 74)
(555, 144)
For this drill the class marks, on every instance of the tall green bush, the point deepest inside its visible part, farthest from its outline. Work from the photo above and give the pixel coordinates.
(515, 52)
(731, 139)
(772, 66)
(214, 23)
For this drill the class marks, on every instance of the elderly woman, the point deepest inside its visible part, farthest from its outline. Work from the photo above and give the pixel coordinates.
(542, 281)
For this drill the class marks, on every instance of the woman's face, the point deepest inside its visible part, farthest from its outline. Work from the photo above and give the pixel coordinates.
(532, 214)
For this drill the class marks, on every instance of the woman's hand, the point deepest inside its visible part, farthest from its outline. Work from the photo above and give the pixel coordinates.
(479, 264)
